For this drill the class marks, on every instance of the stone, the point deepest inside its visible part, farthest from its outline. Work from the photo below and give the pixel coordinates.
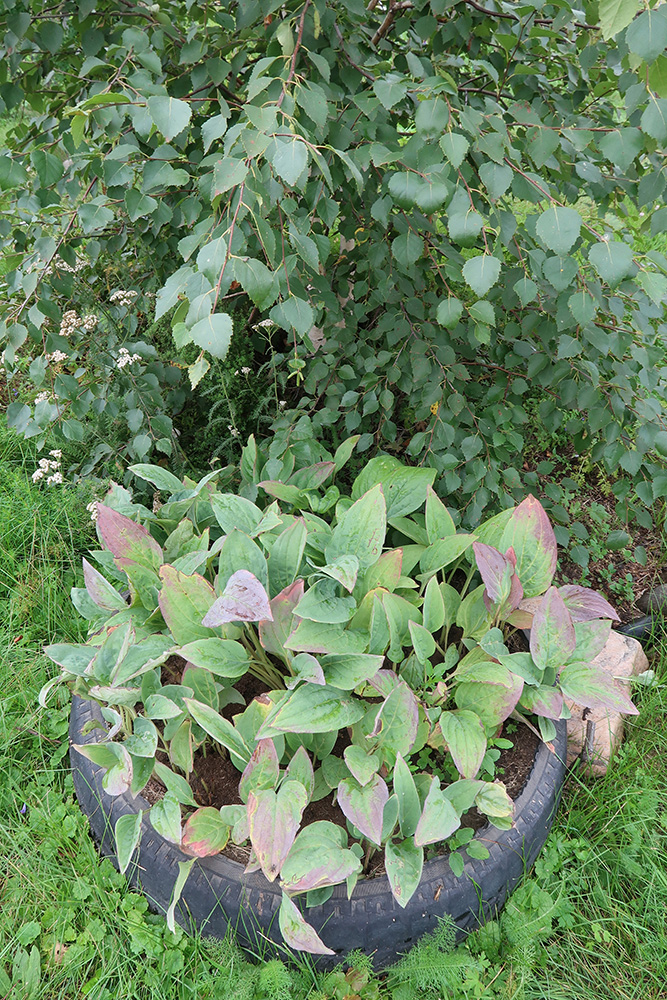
(622, 658)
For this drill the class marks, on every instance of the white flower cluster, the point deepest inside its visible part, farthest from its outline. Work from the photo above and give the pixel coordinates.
(56, 357)
(232, 430)
(122, 298)
(125, 358)
(244, 371)
(92, 509)
(62, 265)
(49, 468)
(42, 397)
(69, 323)
(89, 322)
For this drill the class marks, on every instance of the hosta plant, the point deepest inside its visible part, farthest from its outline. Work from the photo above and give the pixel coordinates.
(374, 634)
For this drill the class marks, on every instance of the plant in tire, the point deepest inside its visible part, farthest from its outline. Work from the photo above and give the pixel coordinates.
(374, 629)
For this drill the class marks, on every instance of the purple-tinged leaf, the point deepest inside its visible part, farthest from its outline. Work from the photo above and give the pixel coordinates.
(274, 631)
(118, 778)
(592, 637)
(184, 600)
(363, 805)
(465, 737)
(546, 701)
(261, 771)
(273, 821)
(204, 833)
(384, 682)
(439, 818)
(585, 604)
(100, 591)
(126, 539)
(318, 858)
(296, 932)
(244, 599)
(552, 637)
(496, 571)
(300, 768)
(397, 720)
(594, 688)
(362, 765)
(490, 690)
(404, 862)
(532, 538)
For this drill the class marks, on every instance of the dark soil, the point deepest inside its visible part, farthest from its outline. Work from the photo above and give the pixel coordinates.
(215, 780)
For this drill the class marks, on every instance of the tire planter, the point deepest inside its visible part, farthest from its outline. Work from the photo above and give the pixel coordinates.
(218, 893)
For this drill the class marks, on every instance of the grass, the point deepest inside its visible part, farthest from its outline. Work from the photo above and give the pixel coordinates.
(590, 922)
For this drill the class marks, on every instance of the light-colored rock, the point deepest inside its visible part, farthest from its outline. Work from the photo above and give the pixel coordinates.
(622, 658)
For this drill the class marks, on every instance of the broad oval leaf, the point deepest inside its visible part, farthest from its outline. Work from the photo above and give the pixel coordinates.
(559, 228)
(244, 599)
(273, 821)
(552, 636)
(296, 932)
(404, 862)
(312, 708)
(361, 530)
(205, 833)
(439, 818)
(593, 687)
(464, 734)
(364, 805)
(262, 770)
(170, 115)
(529, 533)
(126, 539)
(184, 600)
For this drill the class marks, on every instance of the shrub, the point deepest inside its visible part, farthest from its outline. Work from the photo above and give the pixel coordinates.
(373, 630)
(429, 200)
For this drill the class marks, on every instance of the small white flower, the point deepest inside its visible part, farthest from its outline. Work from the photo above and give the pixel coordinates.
(122, 297)
(92, 509)
(232, 430)
(125, 358)
(56, 453)
(246, 371)
(264, 323)
(55, 480)
(44, 464)
(37, 475)
(90, 322)
(56, 357)
(605, 237)
(69, 323)
(42, 397)
(282, 403)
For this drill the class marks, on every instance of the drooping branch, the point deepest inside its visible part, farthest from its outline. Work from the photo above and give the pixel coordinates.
(394, 10)
(297, 46)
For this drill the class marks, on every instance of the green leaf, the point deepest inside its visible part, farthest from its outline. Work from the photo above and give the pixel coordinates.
(228, 173)
(169, 115)
(397, 720)
(612, 260)
(212, 129)
(449, 312)
(211, 259)
(258, 282)
(95, 216)
(407, 249)
(409, 806)
(213, 334)
(404, 487)
(481, 273)
(531, 536)
(455, 148)
(293, 313)
(439, 818)
(219, 729)
(647, 35)
(432, 117)
(223, 657)
(205, 833)
(389, 90)
(126, 834)
(159, 477)
(183, 872)
(184, 600)
(622, 146)
(559, 228)
(526, 289)
(615, 15)
(290, 159)
(347, 670)
(496, 178)
(312, 708)
(321, 604)
(465, 737)
(444, 551)
(582, 306)
(654, 119)
(361, 530)
(403, 862)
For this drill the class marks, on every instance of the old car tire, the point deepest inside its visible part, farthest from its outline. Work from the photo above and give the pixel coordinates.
(218, 892)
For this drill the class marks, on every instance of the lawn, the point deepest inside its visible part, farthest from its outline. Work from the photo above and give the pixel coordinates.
(589, 921)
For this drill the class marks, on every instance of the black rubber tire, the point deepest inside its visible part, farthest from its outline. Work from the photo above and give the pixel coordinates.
(217, 892)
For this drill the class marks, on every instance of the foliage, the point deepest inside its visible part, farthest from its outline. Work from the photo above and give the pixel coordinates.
(365, 617)
(403, 182)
